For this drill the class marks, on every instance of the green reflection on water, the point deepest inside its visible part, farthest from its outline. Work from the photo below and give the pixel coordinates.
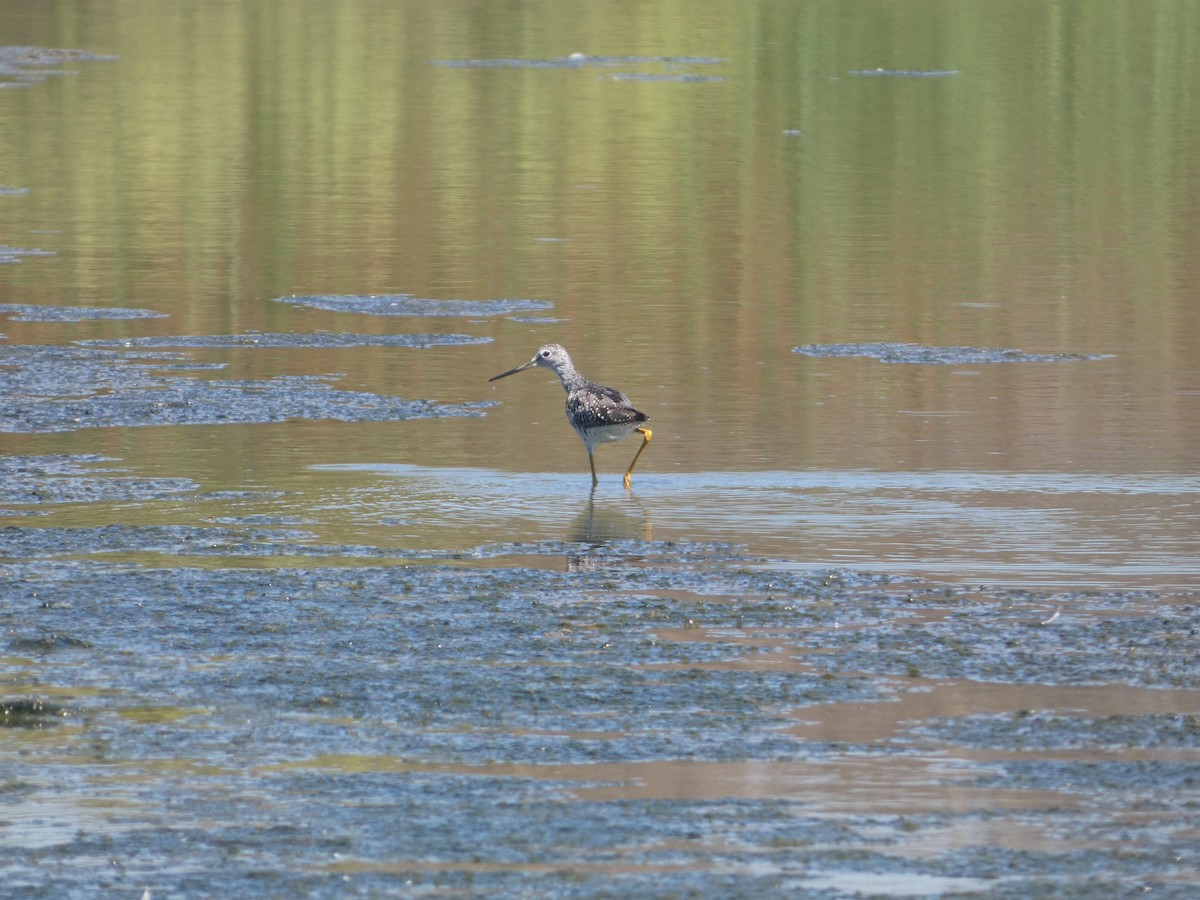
(688, 233)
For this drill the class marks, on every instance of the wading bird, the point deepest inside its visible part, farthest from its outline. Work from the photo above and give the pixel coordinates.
(598, 414)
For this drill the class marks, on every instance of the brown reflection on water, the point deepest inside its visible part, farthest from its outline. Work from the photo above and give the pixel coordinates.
(846, 784)
(923, 700)
(842, 786)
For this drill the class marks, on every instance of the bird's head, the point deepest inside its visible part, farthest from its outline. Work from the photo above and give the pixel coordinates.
(549, 356)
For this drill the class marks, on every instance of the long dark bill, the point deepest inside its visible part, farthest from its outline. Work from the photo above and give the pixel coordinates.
(528, 365)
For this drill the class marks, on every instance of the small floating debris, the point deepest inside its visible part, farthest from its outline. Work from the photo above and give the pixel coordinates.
(23, 66)
(7, 191)
(945, 356)
(16, 254)
(27, 312)
(46, 643)
(793, 132)
(314, 340)
(25, 713)
(411, 305)
(904, 73)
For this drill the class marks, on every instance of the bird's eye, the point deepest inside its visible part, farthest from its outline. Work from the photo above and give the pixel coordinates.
(545, 354)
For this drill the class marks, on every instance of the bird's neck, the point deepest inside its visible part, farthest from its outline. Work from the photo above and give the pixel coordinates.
(571, 380)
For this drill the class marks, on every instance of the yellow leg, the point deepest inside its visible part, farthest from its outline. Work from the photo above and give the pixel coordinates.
(646, 434)
(592, 462)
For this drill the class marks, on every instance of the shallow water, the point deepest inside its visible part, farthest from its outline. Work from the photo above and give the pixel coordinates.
(903, 600)
(1014, 529)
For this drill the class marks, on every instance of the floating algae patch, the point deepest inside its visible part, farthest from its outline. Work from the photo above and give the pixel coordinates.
(19, 542)
(331, 834)
(22, 66)
(1162, 783)
(617, 549)
(943, 356)
(431, 663)
(683, 77)
(284, 537)
(905, 73)
(470, 730)
(16, 254)
(411, 305)
(55, 389)
(29, 374)
(1111, 638)
(27, 312)
(316, 339)
(578, 61)
(79, 478)
(1044, 730)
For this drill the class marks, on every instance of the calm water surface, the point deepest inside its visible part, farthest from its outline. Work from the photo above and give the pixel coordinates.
(697, 192)
(694, 205)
